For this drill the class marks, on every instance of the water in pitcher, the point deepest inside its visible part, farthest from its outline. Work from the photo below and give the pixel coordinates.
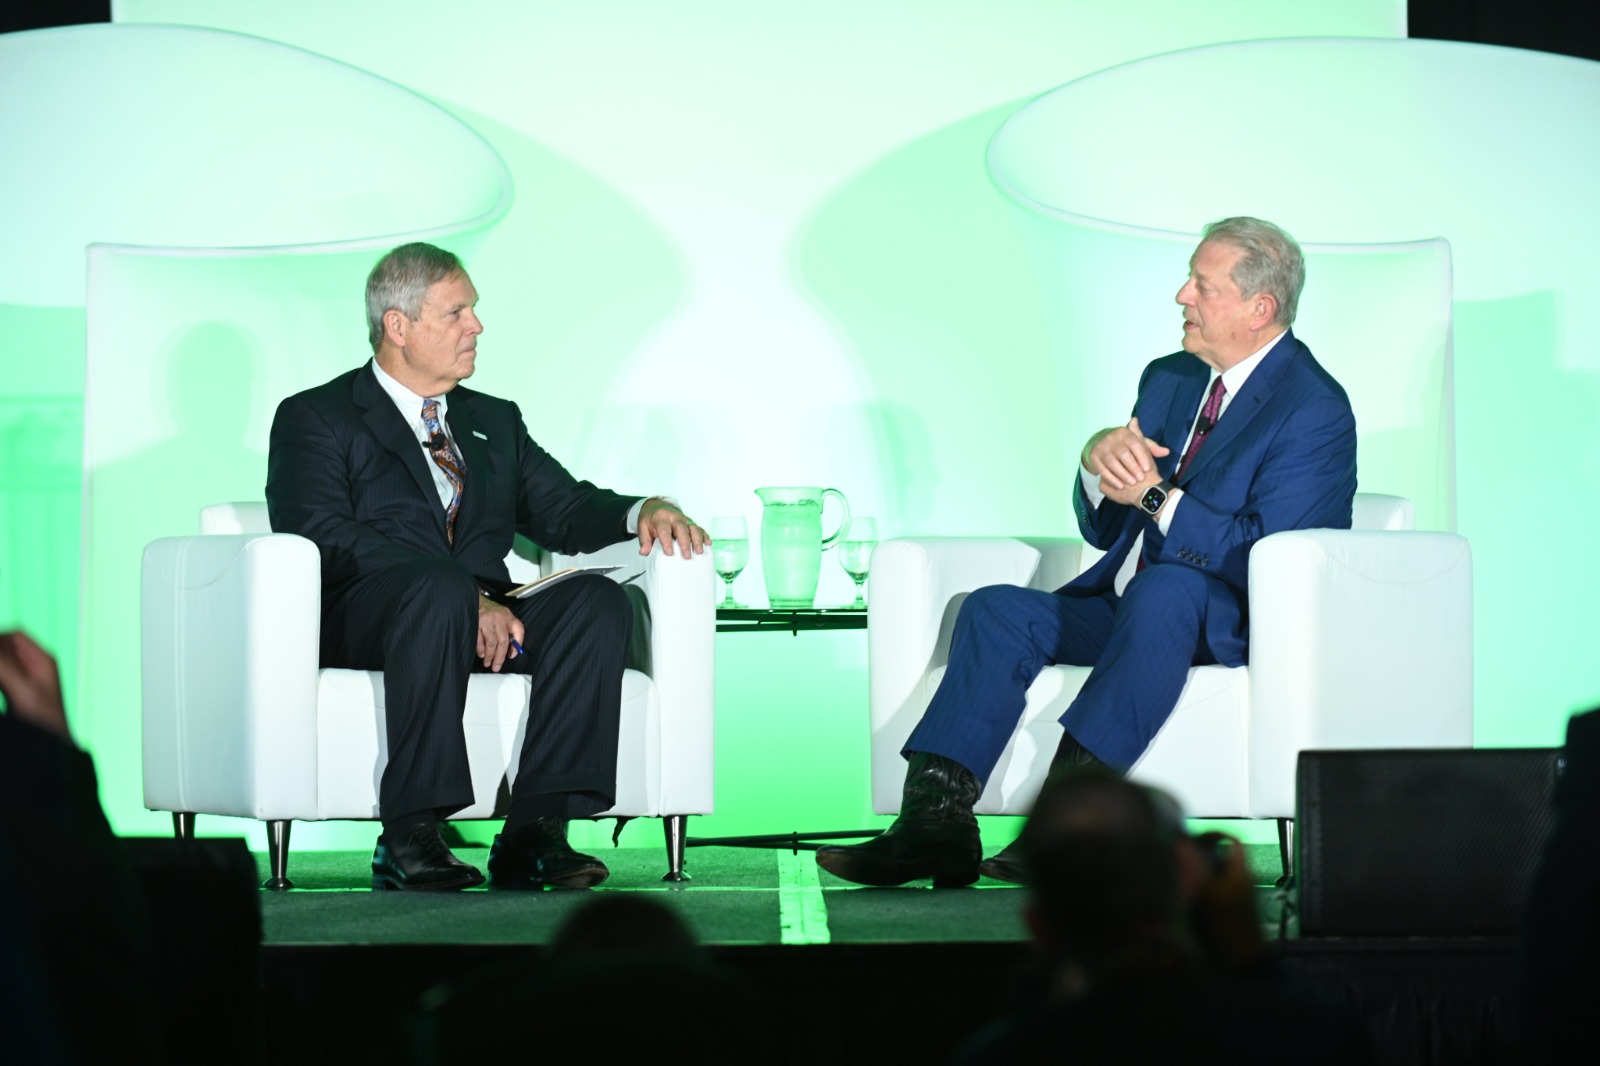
(792, 542)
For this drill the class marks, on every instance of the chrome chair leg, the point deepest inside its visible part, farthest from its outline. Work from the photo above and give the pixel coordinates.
(278, 855)
(1286, 851)
(674, 826)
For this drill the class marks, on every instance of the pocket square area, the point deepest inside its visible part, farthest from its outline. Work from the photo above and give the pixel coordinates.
(480, 436)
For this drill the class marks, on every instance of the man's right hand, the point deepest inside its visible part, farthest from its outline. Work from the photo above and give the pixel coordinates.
(1122, 456)
(498, 627)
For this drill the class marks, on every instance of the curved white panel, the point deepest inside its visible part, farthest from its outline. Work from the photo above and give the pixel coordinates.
(1340, 140)
(180, 137)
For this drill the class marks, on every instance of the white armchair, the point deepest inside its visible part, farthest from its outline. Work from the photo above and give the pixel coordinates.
(239, 720)
(1359, 638)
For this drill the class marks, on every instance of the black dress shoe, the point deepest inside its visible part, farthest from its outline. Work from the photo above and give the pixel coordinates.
(539, 855)
(420, 861)
(935, 836)
(1005, 865)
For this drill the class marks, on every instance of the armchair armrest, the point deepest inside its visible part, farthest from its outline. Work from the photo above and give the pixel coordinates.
(1344, 626)
(673, 642)
(918, 585)
(229, 632)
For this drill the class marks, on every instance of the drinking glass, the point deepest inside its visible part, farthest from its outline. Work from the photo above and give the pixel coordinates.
(730, 553)
(856, 553)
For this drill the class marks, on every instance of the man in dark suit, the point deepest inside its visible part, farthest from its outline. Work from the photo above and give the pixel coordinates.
(413, 488)
(1250, 436)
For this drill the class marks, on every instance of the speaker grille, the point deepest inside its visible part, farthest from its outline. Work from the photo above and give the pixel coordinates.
(1420, 842)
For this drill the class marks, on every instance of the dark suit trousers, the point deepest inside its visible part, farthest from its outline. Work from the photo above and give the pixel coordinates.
(418, 623)
(1140, 645)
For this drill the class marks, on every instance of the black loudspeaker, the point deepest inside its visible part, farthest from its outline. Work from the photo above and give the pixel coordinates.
(1430, 842)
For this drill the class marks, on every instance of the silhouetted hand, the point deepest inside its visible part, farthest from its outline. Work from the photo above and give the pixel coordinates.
(31, 683)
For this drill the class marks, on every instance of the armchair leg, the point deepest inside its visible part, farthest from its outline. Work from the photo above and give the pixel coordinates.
(1286, 851)
(183, 825)
(674, 826)
(278, 855)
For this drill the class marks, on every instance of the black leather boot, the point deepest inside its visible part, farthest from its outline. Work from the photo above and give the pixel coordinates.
(1007, 864)
(935, 836)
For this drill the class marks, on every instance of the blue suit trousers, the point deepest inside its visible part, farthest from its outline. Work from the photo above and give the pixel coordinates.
(1140, 645)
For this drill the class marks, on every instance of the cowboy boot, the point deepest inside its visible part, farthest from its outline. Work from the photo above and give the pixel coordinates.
(1007, 864)
(935, 836)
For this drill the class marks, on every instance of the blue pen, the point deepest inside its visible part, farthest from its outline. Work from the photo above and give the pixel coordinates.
(517, 646)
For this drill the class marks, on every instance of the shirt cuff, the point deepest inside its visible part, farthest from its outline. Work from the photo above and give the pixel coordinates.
(638, 505)
(1164, 522)
(1091, 487)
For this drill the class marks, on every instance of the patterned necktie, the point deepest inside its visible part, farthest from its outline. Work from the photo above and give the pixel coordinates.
(445, 455)
(1202, 429)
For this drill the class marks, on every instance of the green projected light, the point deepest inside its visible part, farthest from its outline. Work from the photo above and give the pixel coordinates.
(751, 245)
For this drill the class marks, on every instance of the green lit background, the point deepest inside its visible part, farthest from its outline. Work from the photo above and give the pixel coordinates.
(723, 245)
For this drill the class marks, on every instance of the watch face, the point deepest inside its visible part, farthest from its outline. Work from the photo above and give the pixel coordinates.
(1153, 498)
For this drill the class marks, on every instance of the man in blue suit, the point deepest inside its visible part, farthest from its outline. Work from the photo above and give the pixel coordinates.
(1240, 435)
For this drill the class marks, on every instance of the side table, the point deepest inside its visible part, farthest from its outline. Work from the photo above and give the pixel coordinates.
(794, 621)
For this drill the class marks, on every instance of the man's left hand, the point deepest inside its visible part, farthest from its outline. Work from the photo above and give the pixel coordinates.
(660, 521)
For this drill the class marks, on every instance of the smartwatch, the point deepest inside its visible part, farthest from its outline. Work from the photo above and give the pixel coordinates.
(1155, 497)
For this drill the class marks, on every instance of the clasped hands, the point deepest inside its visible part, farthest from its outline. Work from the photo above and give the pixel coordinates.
(1125, 461)
(500, 631)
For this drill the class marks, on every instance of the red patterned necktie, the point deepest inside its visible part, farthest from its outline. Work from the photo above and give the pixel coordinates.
(1202, 429)
(1208, 420)
(445, 455)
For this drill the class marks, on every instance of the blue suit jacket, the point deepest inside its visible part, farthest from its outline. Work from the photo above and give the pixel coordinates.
(1282, 456)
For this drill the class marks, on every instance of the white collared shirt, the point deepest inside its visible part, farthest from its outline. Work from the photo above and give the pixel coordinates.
(410, 405)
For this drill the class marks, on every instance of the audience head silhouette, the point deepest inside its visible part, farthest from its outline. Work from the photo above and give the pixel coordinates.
(1104, 855)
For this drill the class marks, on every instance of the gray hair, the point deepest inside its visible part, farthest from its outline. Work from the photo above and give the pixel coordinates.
(1271, 263)
(401, 279)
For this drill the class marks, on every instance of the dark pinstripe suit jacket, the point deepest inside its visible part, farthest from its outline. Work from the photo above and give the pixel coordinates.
(345, 471)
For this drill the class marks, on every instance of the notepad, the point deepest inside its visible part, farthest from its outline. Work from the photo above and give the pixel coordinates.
(555, 577)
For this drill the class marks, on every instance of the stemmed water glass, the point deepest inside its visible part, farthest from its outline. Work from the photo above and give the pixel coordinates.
(856, 552)
(730, 553)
